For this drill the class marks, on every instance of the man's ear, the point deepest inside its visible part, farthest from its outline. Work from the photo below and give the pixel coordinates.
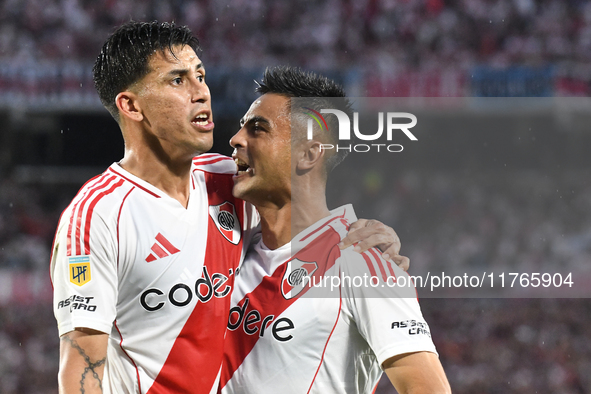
(310, 156)
(128, 105)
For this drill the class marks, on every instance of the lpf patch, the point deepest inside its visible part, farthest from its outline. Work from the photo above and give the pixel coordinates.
(225, 218)
(79, 270)
(297, 276)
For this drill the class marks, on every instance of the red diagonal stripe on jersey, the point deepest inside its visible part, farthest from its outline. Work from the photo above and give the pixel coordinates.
(134, 183)
(150, 258)
(379, 261)
(209, 156)
(159, 251)
(76, 218)
(265, 297)
(89, 214)
(79, 238)
(205, 156)
(372, 270)
(195, 359)
(69, 233)
(212, 161)
(118, 218)
(167, 245)
(74, 210)
(388, 264)
(390, 269)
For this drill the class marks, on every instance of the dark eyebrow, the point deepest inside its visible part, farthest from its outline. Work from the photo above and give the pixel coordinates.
(255, 119)
(183, 71)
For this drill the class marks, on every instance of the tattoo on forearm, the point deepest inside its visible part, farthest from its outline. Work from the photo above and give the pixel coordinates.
(91, 367)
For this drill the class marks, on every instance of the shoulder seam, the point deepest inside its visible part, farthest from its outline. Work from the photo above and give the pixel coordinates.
(134, 183)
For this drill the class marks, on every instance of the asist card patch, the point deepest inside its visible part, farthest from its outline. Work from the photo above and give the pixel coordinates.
(225, 218)
(79, 270)
(298, 276)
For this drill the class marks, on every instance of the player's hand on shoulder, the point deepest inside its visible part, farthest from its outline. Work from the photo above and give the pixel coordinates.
(402, 261)
(366, 234)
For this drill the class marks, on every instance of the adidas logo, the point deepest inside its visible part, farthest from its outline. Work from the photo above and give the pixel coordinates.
(161, 248)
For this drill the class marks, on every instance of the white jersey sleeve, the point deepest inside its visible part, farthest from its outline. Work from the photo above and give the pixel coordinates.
(84, 267)
(384, 306)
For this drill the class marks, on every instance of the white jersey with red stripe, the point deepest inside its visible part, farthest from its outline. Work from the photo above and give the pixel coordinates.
(131, 261)
(290, 333)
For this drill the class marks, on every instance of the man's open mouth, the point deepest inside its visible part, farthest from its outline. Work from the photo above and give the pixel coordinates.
(201, 119)
(243, 167)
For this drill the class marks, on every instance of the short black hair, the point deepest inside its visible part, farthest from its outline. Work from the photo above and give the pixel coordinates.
(319, 91)
(125, 56)
(295, 82)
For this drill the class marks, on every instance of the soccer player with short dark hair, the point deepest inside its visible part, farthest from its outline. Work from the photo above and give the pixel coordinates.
(144, 257)
(286, 334)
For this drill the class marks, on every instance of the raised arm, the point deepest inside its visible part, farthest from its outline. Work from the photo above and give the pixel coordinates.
(417, 373)
(83, 353)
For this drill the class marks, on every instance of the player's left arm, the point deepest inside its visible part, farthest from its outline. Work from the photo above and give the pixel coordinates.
(373, 233)
(388, 316)
(417, 373)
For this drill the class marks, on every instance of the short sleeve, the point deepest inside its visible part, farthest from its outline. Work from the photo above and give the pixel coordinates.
(382, 301)
(84, 280)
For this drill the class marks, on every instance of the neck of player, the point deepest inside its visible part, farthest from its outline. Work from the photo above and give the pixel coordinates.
(280, 223)
(171, 174)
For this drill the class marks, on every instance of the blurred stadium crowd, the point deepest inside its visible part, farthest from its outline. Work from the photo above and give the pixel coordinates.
(521, 221)
(399, 47)
(319, 34)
